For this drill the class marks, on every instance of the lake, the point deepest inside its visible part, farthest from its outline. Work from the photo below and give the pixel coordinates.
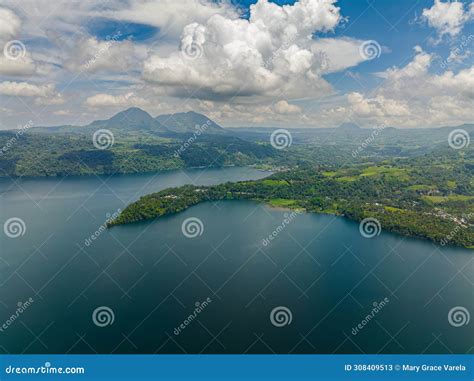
(318, 286)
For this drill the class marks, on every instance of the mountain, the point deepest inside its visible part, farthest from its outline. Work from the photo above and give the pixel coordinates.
(349, 126)
(133, 118)
(136, 119)
(185, 122)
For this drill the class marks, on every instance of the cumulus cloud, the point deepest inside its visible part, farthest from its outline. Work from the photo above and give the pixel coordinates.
(123, 100)
(10, 24)
(283, 107)
(448, 18)
(267, 55)
(93, 55)
(337, 54)
(16, 60)
(461, 83)
(25, 89)
(21, 66)
(172, 16)
(378, 106)
(62, 112)
(411, 96)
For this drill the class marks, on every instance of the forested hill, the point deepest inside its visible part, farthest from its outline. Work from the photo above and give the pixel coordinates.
(410, 197)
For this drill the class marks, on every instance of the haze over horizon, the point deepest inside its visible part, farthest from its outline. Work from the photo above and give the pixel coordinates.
(307, 63)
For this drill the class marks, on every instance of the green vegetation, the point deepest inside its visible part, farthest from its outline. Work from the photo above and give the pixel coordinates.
(397, 193)
(67, 154)
(410, 180)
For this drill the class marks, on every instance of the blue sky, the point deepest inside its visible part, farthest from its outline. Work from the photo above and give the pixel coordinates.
(240, 65)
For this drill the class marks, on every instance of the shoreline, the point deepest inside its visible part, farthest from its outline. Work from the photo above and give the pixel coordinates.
(299, 210)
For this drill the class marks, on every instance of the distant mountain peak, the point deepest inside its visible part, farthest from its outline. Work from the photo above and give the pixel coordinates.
(132, 113)
(186, 122)
(349, 126)
(131, 118)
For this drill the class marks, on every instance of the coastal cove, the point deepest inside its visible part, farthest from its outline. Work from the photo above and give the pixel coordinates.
(153, 277)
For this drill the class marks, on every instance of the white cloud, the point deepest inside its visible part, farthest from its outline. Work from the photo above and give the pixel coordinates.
(91, 55)
(448, 18)
(337, 54)
(21, 66)
(378, 106)
(411, 96)
(267, 55)
(461, 83)
(124, 100)
(25, 89)
(172, 16)
(62, 112)
(10, 25)
(53, 100)
(283, 107)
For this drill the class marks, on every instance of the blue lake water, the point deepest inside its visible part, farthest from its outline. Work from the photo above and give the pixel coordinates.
(319, 276)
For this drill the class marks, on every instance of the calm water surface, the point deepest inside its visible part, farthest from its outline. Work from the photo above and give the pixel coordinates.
(152, 277)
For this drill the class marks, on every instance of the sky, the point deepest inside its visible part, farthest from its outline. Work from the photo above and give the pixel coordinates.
(306, 63)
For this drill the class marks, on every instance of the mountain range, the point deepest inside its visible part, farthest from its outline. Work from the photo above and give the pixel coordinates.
(136, 119)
